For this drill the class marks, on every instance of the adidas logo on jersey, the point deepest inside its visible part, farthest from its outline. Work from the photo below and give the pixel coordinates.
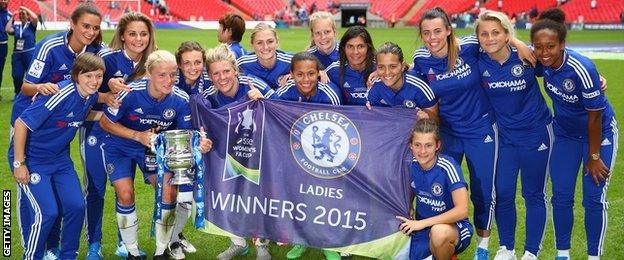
(605, 142)
(486, 74)
(542, 147)
(118, 74)
(488, 139)
(63, 67)
(139, 110)
(71, 114)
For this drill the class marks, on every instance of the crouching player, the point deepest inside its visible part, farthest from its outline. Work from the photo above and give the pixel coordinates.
(42, 165)
(154, 102)
(441, 227)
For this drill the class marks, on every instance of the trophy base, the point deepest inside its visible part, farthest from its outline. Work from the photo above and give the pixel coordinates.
(180, 178)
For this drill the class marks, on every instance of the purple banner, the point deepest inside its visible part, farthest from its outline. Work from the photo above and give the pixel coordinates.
(312, 174)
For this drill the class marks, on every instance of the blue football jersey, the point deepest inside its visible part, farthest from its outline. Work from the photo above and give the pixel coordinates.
(52, 62)
(326, 58)
(414, 93)
(325, 94)
(139, 111)
(237, 49)
(217, 99)
(24, 37)
(464, 108)
(515, 96)
(352, 85)
(433, 188)
(53, 120)
(250, 65)
(575, 89)
(5, 15)
(118, 65)
(202, 83)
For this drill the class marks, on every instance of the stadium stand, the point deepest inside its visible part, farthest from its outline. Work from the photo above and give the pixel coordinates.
(451, 7)
(258, 8)
(513, 7)
(385, 8)
(206, 9)
(606, 11)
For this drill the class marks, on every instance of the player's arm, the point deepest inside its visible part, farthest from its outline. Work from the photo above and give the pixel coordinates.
(432, 112)
(34, 20)
(595, 167)
(524, 52)
(120, 130)
(457, 213)
(21, 174)
(8, 28)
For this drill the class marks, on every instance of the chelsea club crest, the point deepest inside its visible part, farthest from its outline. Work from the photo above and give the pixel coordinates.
(325, 144)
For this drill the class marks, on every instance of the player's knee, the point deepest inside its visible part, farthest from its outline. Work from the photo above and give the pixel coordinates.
(442, 235)
(594, 203)
(562, 199)
(125, 197)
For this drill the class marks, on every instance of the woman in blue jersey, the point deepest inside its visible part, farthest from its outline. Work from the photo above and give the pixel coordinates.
(42, 165)
(305, 85)
(356, 62)
(125, 60)
(23, 32)
(323, 38)
(267, 62)
(585, 130)
(230, 87)
(192, 75)
(466, 117)
(231, 30)
(525, 132)
(54, 56)
(395, 87)
(154, 104)
(52, 61)
(441, 227)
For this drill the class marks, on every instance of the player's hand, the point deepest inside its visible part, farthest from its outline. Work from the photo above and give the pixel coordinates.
(525, 53)
(117, 85)
(145, 138)
(110, 99)
(283, 79)
(409, 225)
(21, 175)
(597, 170)
(253, 93)
(205, 144)
(603, 83)
(371, 78)
(421, 114)
(47, 89)
(323, 77)
(368, 105)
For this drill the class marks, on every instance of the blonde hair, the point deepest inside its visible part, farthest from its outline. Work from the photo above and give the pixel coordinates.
(159, 57)
(317, 17)
(501, 18)
(221, 53)
(262, 27)
(117, 43)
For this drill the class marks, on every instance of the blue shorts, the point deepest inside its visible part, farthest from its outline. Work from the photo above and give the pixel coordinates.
(121, 162)
(419, 245)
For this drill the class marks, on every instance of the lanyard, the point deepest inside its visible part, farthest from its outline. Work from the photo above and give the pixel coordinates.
(21, 29)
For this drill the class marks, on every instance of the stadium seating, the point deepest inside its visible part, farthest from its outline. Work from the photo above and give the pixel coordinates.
(607, 11)
(385, 8)
(451, 7)
(513, 7)
(30, 4)
(208, 9)
(260, 8)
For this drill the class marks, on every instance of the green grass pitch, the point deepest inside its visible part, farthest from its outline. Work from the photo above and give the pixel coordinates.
(294, 40)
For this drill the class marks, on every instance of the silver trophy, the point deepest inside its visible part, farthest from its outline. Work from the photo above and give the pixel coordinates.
(178, 155)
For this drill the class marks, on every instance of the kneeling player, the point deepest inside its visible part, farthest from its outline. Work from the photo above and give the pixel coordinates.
(441, 227)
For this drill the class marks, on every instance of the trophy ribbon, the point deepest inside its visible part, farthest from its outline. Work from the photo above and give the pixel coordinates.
(199, 180)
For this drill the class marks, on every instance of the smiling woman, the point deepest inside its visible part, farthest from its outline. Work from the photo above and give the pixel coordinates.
(50, 124)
